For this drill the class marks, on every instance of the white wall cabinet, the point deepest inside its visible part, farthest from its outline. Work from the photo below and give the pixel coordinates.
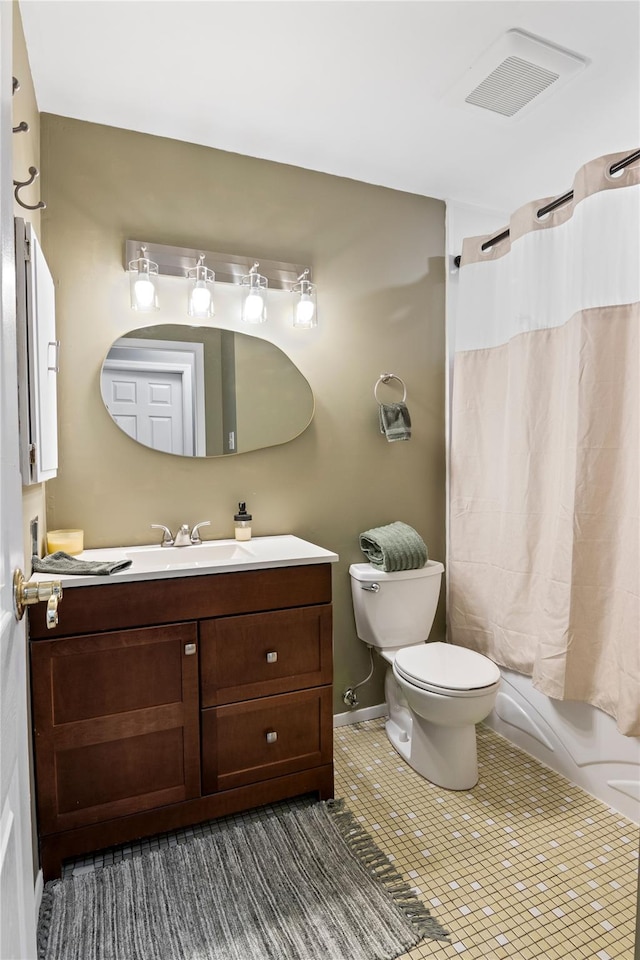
(38, 359)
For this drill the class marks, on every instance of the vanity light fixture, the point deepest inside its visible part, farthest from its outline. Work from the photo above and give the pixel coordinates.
(156, 259)
(200, 305)
(305, 312)
(143, 274)
(254, 296)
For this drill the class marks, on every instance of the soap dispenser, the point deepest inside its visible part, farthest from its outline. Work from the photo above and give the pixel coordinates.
(242, 522)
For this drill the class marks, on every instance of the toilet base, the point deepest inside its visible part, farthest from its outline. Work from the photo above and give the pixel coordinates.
(444, 756)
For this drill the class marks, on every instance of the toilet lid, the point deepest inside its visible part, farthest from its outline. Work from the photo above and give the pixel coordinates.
(447, 666)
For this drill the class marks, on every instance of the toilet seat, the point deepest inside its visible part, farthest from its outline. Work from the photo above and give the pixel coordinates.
(446, 669)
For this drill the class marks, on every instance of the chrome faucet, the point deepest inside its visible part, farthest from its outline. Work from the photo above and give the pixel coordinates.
(184, 537)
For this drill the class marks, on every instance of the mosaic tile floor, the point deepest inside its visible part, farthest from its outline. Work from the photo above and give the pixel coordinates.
(525, 865)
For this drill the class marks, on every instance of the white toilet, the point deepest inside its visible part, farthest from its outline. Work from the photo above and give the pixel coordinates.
(436, 692)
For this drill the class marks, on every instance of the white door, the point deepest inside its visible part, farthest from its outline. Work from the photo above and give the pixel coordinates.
(17, 917)
(147, 405)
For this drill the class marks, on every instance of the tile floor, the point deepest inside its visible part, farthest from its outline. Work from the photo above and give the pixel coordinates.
(524, 866)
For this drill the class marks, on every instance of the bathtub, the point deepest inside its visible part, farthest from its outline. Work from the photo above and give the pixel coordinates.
(576, 739)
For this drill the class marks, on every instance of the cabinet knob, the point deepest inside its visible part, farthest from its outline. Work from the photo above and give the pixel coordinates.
(272, 736)
(189, 649)
(272, 656)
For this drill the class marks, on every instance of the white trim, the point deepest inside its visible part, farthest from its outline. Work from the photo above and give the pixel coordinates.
(358, 716)
(38, 890)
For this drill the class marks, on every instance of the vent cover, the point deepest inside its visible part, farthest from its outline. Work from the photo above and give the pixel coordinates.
(511, 86)
(514, 74)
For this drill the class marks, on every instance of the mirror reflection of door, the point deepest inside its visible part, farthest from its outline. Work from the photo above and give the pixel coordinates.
(154, 390)
(241, 392)
(148, 406)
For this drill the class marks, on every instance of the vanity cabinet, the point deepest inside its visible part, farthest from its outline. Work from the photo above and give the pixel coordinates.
(161, 703)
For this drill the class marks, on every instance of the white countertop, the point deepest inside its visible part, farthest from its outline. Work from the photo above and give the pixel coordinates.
(153, 562)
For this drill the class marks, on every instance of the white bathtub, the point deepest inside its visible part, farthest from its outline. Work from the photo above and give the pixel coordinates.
(576, 739)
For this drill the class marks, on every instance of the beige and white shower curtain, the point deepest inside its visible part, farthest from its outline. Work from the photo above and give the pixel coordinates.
(544, 572)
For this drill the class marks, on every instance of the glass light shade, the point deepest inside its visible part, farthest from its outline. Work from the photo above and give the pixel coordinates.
(143, 277)
(200, 304)
(254, 299)
(305, 308)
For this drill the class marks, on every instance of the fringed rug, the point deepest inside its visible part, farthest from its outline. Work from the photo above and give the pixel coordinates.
(309, 884)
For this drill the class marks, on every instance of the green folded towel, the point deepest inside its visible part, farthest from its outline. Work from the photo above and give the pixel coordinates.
(396, 546)
(395, 422)
(61, 562)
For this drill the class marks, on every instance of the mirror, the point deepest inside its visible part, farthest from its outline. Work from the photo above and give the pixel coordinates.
(203, 391)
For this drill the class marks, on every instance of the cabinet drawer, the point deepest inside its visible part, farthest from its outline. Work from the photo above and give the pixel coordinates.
(247, 742)
(245, 657)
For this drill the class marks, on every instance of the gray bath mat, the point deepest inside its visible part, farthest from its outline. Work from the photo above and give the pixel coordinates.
(307, 885)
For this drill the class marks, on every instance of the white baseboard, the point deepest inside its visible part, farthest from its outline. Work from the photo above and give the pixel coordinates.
(357, 716)
(37, 893)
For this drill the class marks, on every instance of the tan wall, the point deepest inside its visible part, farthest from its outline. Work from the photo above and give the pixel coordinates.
(264, 417)
(26, 153)
(378, 258)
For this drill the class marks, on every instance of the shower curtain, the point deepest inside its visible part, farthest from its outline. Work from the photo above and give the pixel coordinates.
(544, 574)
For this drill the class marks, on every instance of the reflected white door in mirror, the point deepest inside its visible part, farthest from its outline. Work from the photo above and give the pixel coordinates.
(204, 391)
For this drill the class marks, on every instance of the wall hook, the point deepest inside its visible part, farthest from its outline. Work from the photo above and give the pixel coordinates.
(24, 126)
(19, 184)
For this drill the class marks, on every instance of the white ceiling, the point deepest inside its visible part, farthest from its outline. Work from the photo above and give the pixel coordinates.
(353, 88)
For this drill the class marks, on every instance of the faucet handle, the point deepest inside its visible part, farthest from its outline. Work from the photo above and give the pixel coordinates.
(167, 536)
(195, 536)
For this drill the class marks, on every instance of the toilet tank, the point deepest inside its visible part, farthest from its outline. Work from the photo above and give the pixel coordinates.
(401, 611)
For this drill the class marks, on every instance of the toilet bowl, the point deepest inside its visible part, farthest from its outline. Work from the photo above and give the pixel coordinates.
(436, 692)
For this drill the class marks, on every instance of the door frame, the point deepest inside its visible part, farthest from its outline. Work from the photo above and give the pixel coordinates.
(164, 355)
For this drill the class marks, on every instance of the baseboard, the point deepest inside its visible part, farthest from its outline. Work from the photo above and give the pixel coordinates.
(37, 893)
(357, 716)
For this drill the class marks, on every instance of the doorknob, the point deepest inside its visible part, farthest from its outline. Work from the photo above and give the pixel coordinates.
(34, 591)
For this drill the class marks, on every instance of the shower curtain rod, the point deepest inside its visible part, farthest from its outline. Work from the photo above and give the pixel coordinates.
(558, 202)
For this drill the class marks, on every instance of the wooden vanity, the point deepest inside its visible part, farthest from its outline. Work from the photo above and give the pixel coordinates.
(165, 702)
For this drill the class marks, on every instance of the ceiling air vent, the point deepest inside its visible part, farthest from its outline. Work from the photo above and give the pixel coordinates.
(515, 73)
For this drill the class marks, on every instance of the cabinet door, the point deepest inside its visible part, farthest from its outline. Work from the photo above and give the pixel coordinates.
(248, 742)
(38, 351)
(116, 722)
(264, 653)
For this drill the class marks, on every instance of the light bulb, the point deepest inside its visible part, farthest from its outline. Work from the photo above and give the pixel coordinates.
(144, 292)
(253, 306)
(305, 308)
(200, 299)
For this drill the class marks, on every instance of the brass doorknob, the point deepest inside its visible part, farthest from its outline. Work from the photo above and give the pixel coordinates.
(33, 591)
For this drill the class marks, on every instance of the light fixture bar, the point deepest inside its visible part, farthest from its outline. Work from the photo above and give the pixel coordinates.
(228, 268)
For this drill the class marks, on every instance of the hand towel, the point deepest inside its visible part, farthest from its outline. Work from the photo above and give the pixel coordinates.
(396, 546)
(60, 562)
(395, 422)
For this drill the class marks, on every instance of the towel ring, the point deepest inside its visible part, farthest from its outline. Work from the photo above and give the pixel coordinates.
(384, 378)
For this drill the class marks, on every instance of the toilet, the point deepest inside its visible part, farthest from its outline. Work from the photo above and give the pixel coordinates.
(436, 692)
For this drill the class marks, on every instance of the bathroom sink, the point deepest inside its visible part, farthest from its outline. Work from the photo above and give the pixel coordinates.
(151, 561)
(196, 555)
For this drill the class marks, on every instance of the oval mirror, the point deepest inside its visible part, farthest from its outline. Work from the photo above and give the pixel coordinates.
(203, 391)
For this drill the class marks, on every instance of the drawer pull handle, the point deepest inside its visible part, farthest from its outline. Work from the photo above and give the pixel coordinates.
(189, 649)
(272, 656)
(272, 736)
